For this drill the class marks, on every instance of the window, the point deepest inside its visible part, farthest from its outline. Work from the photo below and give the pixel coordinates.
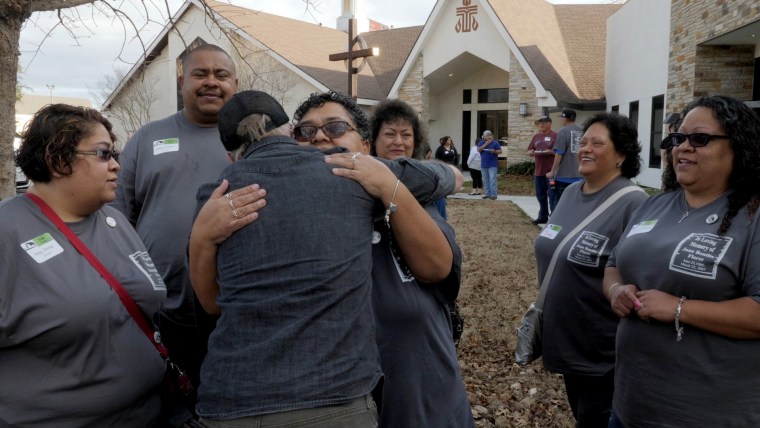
(493, 95)
(616, 109)
(467, 96)
(633, 112)
(655, 133)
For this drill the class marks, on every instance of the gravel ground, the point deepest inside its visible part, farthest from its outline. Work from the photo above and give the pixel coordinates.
(498, 284)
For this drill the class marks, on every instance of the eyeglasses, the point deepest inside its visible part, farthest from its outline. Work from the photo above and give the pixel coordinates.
(696, 140)
(103, 154)
(305, 133)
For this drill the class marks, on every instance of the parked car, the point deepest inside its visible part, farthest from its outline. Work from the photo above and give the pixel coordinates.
(22, 182)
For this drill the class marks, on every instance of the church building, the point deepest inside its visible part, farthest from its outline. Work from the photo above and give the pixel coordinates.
(476, 64)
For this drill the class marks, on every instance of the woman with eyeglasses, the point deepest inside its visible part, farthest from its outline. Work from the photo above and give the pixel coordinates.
(70, 353)
(686, 283)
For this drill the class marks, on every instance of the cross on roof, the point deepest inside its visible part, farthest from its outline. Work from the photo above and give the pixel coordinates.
(353, 54)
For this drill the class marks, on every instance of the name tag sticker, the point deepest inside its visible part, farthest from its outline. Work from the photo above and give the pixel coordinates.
(551, 231)
(643, 227)
(165, 146)
(42, 248)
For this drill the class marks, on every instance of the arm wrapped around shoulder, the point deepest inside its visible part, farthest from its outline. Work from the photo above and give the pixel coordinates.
(426, 180)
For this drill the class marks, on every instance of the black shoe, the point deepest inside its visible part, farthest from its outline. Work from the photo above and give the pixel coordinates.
(493, 198)
(539, 221)
(485, 197)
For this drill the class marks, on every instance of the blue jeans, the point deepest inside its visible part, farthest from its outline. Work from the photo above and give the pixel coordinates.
(615, 421)
(360, 412)
(489, 180)
(544, 194)
(559, 188)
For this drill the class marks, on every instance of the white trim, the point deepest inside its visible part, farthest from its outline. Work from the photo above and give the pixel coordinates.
(545, 98)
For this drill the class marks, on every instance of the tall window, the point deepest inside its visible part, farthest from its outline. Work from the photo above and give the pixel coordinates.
(633, 112)
(500, 95)
(467, 96)
(655, 133)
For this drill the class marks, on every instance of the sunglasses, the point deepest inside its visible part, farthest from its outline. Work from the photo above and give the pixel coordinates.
(103, 154)
(696, 140)
(305, 133)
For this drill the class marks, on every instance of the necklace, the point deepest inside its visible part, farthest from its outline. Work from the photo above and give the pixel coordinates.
(686, 208)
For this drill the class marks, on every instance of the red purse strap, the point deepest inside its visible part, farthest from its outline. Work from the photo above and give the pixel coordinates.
(124, 296)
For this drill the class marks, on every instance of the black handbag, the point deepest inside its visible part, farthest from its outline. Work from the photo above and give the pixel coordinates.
(457, 322)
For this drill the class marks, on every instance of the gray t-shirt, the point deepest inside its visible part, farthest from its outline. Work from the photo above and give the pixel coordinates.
(161, 169)
(568, 144)
(705, 379)
(423, 386)
(70, 353)
(578, 324)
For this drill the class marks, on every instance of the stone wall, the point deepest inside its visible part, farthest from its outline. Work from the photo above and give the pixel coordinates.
(521, 128)
(415, 90)
(694, 22)
(724, 70)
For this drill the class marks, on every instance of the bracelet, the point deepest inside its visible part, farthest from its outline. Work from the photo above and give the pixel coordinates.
(609, 290)
(391, 206)
(677, 314)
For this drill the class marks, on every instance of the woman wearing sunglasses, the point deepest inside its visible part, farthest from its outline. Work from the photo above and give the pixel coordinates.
(686, 283)
(70, 352)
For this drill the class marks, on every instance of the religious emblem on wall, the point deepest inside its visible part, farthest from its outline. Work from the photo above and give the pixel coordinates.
(466, 14)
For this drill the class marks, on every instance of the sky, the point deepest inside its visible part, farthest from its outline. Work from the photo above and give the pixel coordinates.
(64, 66)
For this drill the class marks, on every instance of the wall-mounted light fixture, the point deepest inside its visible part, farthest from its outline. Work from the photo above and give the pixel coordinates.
(523, 109)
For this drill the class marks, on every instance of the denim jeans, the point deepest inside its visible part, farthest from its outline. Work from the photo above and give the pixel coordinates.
(615, 421)
(544, 194)
(559, 188)
(489, 180)
(360, 412)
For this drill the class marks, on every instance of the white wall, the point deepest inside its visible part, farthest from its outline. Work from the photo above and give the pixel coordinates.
(638, 43)
(444, 43)
(446, 108)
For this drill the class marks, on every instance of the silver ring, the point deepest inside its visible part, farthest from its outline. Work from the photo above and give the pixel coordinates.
(231, 206)
(227, 195)
(235, 213)
(353, 160)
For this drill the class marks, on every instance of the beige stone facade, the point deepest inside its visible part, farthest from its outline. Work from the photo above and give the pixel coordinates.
(414, 90)
(521, 128)
(698, 69)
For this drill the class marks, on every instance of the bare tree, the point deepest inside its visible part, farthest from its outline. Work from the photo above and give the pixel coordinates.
(258, 70)
(14, 14)
(133, 104)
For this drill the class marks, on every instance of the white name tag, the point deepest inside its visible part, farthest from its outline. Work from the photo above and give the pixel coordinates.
(42, 248)
(165, 146)
(551, 231)
(643, 227)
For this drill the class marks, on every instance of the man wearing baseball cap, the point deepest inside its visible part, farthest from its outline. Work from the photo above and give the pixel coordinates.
(540, 148)
(565, 167)
(295, 340)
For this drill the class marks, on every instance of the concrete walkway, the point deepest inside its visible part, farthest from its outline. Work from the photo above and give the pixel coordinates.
(529, 204)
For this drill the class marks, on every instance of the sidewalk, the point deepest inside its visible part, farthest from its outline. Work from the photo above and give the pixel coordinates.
(529, 204)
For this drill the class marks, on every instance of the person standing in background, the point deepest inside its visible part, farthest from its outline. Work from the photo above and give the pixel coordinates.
(540, 148)
(162, 167)
(565, 167)
(473, 162)
(446, 152)
(489, 163)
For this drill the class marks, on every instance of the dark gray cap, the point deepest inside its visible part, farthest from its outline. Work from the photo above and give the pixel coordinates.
(242, 105)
